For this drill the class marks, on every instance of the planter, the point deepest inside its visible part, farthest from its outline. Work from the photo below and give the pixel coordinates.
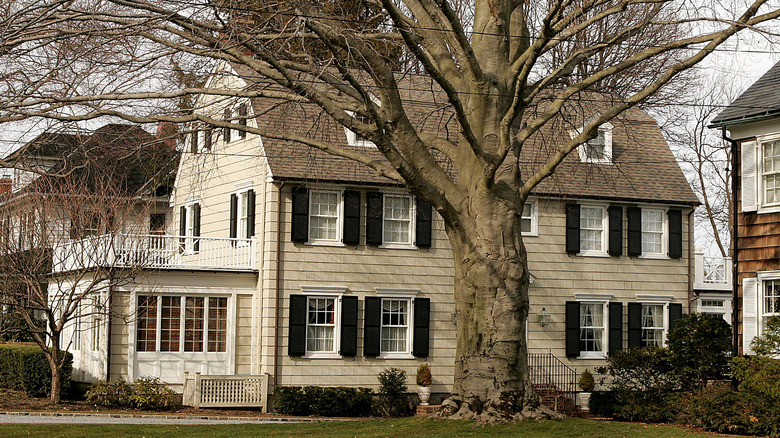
(425, 394)
(583, 400)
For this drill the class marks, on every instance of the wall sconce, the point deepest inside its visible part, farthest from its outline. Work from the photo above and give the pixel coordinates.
(543, 317)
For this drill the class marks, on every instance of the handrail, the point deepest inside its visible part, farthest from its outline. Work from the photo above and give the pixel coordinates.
(553, 375)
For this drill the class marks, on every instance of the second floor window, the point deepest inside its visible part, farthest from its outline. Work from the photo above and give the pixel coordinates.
(770, 172)
(652, 231)
(324, 215)
(592, 229)
(397, 218)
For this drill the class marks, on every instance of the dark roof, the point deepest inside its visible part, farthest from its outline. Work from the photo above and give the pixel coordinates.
(761, 100)
(643, 168)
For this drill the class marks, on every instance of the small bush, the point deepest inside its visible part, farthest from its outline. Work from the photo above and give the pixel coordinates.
(587, 382)
(393, 401)
(699, 349)
(603, 403)
(114, 393)
(323, 401)
(150, 393)
(758, 375)
(25, 367)
(424, 376)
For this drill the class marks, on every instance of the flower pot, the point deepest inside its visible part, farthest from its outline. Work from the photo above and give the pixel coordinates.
(425, 394)
(583, 400)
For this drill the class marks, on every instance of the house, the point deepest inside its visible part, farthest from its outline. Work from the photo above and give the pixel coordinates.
(290, 266)
(71, 187)
(752, 124)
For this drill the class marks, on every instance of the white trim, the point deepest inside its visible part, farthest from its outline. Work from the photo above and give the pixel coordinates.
(760, 194)
(664, 253)
(245, 185)
(393, 292)
(588, 296)
(654, 298)
(409, 244)
(604, 234)
(606, 128)
(324, 290)
(534, 204)
(605, 324)
(334, 353)
(337, 241)
(407, 353)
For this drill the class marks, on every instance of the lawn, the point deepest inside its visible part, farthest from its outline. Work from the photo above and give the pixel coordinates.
(401, 428)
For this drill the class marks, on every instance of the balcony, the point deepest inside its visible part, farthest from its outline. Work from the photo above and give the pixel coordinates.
(712, 273)
(153, 251)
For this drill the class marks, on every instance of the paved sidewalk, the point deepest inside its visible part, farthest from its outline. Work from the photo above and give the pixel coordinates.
(89, 418)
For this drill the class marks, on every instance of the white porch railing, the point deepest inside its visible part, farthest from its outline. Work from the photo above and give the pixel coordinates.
(712, 273)
(154, 251)
(225, 391)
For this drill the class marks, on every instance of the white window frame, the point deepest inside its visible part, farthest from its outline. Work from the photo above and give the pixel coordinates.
(409, 243)
(339, 219)
(764, 278)
(664, 300)
(604, 335)
(605, 129)
(664, 254)
(398, 294)
(602, 252)
(353, 139)
(189, 226)
(723, 310)
(764, 206)
(242, 214)
(323, 292)
(533, 205)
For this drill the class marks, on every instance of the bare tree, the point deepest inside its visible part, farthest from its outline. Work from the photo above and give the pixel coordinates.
(496, 74)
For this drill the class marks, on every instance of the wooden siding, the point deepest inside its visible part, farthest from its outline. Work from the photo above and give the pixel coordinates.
(120, 336)
(243, 334)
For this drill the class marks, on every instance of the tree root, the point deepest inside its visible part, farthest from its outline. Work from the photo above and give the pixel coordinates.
(494, 413)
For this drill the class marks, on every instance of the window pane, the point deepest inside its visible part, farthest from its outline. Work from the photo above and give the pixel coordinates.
(395, 326)
(771, 297)
(652, 231)
(323, 216)
(146, 323)
(217, 324)
(591, 327)
(591, 228)
(653, 324)
(397, 219)
(321, 325)
(170, 323)
(193, 324)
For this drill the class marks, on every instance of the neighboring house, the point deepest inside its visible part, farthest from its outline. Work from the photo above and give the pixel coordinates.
(82, 186)
(309, 269)
(752, 124)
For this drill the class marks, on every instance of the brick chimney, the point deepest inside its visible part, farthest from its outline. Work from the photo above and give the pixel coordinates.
(5, 184)
(167, 131)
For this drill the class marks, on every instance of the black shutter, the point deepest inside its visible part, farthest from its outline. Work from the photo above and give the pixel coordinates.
(242, 119)
(182, 227)
(634, 325)
(422, 327)
(194, 142)
(615, 327)
(634, 231)
(372, 315)
(572, 329)
(233, 216)
(351, 234)
(228, 116)
(349, 320)
(573, 229)
(196, 226)
(207, 139)
(615, 230)
(374, 210)
(250, 213)
(675, 233)
(300, 214)
(675, 313)
(424, 222)
(296, 338)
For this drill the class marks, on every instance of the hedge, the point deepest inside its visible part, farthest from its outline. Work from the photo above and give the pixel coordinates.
(25, 367)
(323, 401)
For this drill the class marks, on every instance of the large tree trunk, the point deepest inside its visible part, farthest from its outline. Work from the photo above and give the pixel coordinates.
(491, 299)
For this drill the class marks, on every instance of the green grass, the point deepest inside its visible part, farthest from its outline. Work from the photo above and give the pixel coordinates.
(391, 428)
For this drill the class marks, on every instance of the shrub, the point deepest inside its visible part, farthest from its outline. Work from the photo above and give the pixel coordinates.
(758, 375)
(393, 401)
(640, 369)
(424, 377)
(26, 367)
(323, 401)
(717, 408)
(699, 349)
(150, 393)
(603, 403)
(769, 342)
(114, 393)
(587, 383)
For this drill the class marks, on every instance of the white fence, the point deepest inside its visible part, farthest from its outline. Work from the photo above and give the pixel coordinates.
(154, 251)
(712, 273)
(225, 391)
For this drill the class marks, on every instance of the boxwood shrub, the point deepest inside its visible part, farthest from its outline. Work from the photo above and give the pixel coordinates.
(25, 367)
(323, 401)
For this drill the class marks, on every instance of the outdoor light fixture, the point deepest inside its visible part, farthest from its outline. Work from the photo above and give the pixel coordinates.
(544, 317)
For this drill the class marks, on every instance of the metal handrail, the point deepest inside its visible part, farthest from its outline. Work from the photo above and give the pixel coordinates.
(551, 373)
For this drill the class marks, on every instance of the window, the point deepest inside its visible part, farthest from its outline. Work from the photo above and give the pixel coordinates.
(653, 225)
(653, 325)
(95, 326)
(712, 303)
(321, 325)
(189, 228)
(355, 139)
(592, 329)
(227, 132)
(529, 219)
(397, 220)
(592, 227)
(770, 172)
(180, 324)
(324, 208)
(76, 339)
(395, 327)
(242, 119)
(771, 289)
(598, 149)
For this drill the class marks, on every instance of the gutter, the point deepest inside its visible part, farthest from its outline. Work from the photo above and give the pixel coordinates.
(278, 281)
(109, 304)
(769, 114)
(735, 305)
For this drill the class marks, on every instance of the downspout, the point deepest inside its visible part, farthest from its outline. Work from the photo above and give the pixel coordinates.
(278, 281)
(109, 303)
(734, 246)
(690, 258)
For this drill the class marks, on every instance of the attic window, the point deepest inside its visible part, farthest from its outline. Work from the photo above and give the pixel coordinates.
(355, 139)
(598, 149)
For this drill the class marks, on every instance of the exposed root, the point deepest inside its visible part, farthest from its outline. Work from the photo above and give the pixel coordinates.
(495, 413)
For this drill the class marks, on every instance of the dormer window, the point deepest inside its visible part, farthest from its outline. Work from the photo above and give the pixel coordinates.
(598, 149)
(355, 139)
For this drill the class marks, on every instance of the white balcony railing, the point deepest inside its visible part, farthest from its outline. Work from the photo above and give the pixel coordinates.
(154, 251)
(712, 273)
